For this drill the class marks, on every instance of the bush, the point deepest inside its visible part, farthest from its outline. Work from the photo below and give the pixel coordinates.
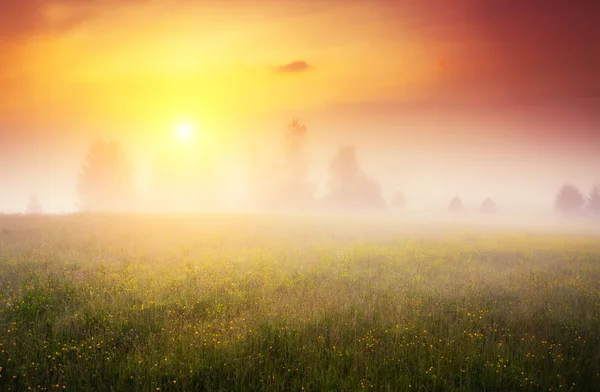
(456, 205)
(488, 206)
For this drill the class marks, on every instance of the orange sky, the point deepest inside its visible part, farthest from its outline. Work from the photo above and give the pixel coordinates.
(376, 73)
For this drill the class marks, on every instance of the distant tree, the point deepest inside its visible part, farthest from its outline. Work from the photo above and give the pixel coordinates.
(398, 201)
(34, 207)
(594, 200)
(106, 179)
(456, 205)
(300, 191)
(295, 140)
(350, 187)
(287, 185)
(488, 206)
(569, 199)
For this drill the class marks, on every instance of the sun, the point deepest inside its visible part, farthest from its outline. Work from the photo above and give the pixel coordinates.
(185, 132)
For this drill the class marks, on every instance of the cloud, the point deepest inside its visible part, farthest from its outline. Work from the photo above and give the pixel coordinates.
(293, 67)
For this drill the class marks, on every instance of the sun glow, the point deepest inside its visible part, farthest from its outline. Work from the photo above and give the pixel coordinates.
(185, 132)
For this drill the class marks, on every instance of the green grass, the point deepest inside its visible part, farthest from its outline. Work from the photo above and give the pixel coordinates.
(236, 303)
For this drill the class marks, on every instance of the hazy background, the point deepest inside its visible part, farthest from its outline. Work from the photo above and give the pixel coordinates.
(441, 98)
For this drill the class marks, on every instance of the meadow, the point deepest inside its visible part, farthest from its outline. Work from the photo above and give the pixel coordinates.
(274, 303)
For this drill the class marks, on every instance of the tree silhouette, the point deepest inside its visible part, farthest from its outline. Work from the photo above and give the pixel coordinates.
(288, 185)
(295, 140)
(300, 191)
(569, 199)
(594, 200)
(488, 206)
(350, 187)
(105, 181)
(398, 201)
(34, 207)
(345, 167)
(456, 205)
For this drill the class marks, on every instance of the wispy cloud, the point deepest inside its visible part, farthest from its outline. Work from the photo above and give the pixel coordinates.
(293, 67)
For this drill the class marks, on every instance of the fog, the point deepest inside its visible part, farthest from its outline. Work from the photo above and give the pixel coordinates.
(429, 162)
(477, 101)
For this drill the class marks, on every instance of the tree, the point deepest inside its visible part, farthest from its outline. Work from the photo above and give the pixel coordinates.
(594, 200)
(456, 205)
(295, 140)
(106, 178)
(34, 207)
(350, 187)
(488, 206)
(398, 201)
(569, 199)
(299, 191)
(287, 184)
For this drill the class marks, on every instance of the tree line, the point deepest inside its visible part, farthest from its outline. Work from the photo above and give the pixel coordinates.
(570, 200)
(105, 183)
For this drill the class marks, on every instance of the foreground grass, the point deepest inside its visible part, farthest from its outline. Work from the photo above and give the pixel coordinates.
(241, 303)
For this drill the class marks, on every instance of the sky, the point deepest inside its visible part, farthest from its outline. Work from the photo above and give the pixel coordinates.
(441, 97)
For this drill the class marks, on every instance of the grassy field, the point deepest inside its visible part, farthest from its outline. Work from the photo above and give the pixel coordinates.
(236, 303)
